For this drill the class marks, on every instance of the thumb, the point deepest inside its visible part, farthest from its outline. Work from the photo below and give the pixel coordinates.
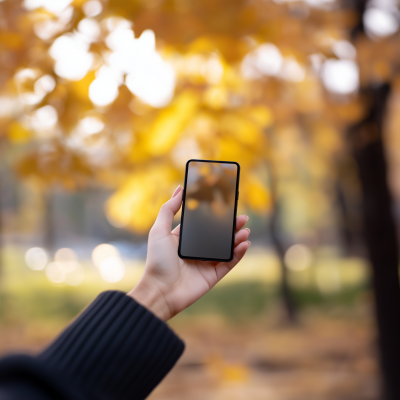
(165, 217)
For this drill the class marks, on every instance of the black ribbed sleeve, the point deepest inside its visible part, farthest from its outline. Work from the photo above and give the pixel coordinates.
(116, 349)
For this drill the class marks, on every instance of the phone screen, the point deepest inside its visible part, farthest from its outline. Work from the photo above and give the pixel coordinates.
(209, 210)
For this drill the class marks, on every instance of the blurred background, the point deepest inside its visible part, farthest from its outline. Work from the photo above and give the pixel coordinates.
(101, 105)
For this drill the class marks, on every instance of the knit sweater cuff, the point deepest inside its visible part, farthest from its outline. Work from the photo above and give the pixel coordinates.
(116, 349)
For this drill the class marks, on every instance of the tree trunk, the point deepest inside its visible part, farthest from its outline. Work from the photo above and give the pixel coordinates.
(49, 231)
(379, 223)
(285, 292)
(380, 235)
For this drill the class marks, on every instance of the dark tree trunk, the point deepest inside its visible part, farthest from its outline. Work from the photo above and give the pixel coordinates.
(1, 231)
(379, 223)
(49, 231)
(380, 235)
(286, 294)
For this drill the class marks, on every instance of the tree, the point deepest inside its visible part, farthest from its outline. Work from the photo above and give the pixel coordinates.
(379, 224)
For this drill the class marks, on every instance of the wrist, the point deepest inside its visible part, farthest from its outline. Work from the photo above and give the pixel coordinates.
(150, 297)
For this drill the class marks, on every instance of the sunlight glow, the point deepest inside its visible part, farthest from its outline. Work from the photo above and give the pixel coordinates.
(104, 89)
(102, 252)
(24, 80)
(73, 60)
(340, 76)
(49, 27)
(55, 272)
(344, 50)
(36, 258)
(265, 60)
(380, 22)
(90, 28)
(112, 269)
(107, 259)
(92, 8)
(148, 76)
(298, 257)
(90, 125)
(65, 268)
(53, 6)
(292, 71)
(44, 85)
(65, 255)
(212, 70)
(44, 117)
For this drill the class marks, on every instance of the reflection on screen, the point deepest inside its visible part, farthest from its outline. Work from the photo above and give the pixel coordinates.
(209, 210)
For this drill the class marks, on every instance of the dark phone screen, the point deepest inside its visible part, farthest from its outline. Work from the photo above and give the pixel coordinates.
(209, 210)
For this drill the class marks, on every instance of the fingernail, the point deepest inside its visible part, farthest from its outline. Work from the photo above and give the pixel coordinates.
(248, 229)
(247, 217)
(249, 243)
(177, 190)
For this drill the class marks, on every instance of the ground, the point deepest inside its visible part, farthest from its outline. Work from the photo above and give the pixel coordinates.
(321, 359)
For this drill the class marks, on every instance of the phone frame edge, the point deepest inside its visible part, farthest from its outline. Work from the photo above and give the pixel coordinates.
(234, 215)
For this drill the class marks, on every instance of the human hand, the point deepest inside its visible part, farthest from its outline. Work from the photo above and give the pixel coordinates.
(170, 284)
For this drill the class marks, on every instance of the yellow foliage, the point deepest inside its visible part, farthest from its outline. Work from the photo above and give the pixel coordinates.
(326, 138)
(216, 97)
(241, 128)
(136, 203)
(261, 115)
(227, 372)
(236, 373)
(81, 88)
(17, 133)
(11, 40)
(170, 123)
(254, 193)
(229, 149)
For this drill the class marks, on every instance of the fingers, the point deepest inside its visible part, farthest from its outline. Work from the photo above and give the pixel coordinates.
(177, 230)
(222, 269)
(241, 236)
(165, 217)
(241, 222)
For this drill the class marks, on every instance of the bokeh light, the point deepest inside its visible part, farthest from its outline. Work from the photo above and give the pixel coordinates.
(36, 258)
(340, 76)
(112, 269)
(55, 272)
(90, 125)
(380, 22)
(102, 252)
(107, 259)
(92, 8)
(73, 60)
(298, 257)
(53, 6)
(104, 89)
(75, 274)
(90, 28)
(265, 60)
(44, 118)
(65, 255)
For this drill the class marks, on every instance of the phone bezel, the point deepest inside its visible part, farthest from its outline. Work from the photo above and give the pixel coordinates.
(234, 213)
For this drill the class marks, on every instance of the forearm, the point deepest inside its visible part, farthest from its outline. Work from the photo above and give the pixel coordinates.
(116, 349)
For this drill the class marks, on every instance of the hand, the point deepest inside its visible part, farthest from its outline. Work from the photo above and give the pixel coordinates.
(170, 284)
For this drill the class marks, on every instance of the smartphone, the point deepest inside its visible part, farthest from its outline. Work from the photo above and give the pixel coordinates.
(209, 207)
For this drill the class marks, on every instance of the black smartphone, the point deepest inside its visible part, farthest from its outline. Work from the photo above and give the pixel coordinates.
(208, 220)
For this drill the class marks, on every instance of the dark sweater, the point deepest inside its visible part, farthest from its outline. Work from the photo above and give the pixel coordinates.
(116, 349)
